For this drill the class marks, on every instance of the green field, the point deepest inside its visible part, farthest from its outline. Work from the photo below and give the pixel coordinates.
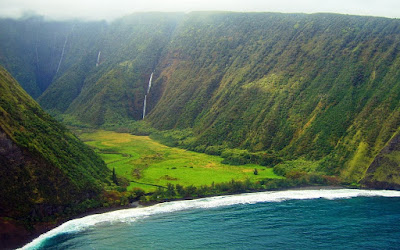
(146, 162)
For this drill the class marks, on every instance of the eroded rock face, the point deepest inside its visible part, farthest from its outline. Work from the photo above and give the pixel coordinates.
(23, 176)
(12, 170)
(25, 201)
(384, 171)
(45, 171)
(9, 151)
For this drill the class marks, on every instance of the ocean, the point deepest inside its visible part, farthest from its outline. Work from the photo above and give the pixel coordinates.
(292, 219)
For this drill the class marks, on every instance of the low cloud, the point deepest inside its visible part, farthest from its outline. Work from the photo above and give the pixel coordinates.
(110, 9)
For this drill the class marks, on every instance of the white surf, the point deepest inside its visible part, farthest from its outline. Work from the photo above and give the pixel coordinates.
(131, 215)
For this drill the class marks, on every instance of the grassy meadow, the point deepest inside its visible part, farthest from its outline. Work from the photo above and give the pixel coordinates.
(147, 163)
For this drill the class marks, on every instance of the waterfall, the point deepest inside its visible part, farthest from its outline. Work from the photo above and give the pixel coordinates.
(62, 54)
(144, 106)
(63, 50)
(98, 59)
(145, 96)
(151, 78)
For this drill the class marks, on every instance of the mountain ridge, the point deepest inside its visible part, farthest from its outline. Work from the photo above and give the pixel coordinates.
(46, 172)
(322, 87)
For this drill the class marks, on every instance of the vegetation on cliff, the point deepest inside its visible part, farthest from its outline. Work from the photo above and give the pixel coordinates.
(324, 87)
(46, 172)
(275, 100)
(264, 88)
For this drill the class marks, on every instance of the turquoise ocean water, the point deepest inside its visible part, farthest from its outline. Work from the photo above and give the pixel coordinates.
(294, 219)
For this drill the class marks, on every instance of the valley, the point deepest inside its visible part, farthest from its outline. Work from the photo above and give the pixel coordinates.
(147, 164)
(323, 87)
(167, 106)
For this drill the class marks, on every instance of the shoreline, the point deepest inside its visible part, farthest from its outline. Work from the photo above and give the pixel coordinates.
(46, 227)
(137, 204)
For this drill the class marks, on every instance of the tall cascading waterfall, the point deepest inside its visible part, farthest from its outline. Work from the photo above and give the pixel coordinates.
(98, 59)
(62, 54)
(144, 106)
(63, 50)
(151, 78)
(145, 96)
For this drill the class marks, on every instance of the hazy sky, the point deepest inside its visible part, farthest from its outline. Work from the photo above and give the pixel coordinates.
(108, 9)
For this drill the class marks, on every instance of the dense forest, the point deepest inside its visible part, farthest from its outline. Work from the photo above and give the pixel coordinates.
(251, 87)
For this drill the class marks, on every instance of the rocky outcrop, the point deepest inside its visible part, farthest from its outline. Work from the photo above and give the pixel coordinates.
(384, 171)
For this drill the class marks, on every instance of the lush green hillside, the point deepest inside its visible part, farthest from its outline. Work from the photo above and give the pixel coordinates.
(45, 171)
(114, 90)
(37, 52)
(320, 88)
(314, 86)
(384, 171)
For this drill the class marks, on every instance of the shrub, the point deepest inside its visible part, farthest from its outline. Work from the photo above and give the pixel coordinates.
(214, 150)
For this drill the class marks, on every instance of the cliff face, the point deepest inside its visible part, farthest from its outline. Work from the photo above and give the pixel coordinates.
(322, 87)
(46, 173)
(31, 191)
(384, 171)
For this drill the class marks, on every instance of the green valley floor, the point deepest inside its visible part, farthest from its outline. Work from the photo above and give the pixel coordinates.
(147, 164)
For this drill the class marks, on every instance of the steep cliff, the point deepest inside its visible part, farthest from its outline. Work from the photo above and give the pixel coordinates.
(322, 87)
(45, 171)
(384, 171)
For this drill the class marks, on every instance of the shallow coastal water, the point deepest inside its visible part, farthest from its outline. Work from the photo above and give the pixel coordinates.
(316, 219)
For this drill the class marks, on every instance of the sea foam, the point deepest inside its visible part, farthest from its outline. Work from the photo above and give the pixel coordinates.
(131, 215)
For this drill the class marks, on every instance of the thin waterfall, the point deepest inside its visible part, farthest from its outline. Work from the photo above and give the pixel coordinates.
(144, 106)
(63, 50)
(62, 54)
(151, 78)
(98, 59)
(145, 96)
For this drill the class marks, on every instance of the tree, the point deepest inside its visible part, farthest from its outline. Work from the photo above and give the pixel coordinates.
(114, 177)
(190, 191)
(180, 190)
(170, 192)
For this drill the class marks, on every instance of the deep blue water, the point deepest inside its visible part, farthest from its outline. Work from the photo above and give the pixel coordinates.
(351, 223)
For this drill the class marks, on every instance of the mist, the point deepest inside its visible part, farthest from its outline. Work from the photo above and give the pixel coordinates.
(111, 9)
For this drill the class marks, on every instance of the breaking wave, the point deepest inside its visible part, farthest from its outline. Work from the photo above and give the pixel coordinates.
(132, 214)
